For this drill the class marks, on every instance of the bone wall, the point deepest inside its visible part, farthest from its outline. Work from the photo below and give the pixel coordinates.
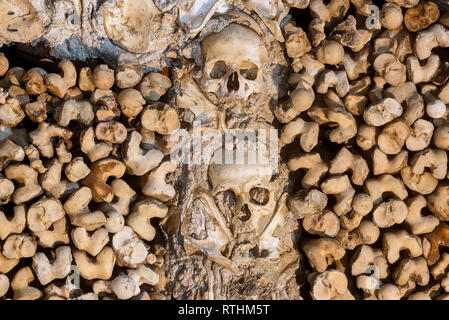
(114, 135)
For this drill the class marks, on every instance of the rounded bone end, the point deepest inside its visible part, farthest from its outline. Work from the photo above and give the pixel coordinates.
(441, 137)
(330, 52)
(391, 16)
(302, 98)
(362, 204)
(389, 292)
(131, 102)
(329, 285)
(421, 16)
(124, 287)
(114, 222)
(4, 65)
(103, 77)
(128, 72)
(4, 285)
(419, 296)
(436, 109)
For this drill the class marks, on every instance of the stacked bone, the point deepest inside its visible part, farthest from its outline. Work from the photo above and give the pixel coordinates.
(374, 210)
(68, 145)
(370, 86)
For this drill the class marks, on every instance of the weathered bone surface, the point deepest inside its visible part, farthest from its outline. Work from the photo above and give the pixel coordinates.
(218, 149)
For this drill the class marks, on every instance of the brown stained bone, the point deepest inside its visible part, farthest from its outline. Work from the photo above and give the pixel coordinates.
(100, 171)
(420, 17)
(433, 241)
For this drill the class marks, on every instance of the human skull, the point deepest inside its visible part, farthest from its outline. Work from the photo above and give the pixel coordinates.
(250, 183)
(23, 20)
(233, 63)
(131, 24)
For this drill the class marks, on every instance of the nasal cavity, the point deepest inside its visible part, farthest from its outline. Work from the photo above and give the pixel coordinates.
(233, 82)
(244, 214)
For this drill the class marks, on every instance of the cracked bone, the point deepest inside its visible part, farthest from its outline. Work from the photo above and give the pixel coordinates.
(192, 98)
(217, 238)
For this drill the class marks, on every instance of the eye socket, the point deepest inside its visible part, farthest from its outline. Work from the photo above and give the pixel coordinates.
(219, 70)
(249, 70)
(260, 196)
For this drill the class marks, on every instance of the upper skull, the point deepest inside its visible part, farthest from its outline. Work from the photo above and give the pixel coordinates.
(233, 63)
